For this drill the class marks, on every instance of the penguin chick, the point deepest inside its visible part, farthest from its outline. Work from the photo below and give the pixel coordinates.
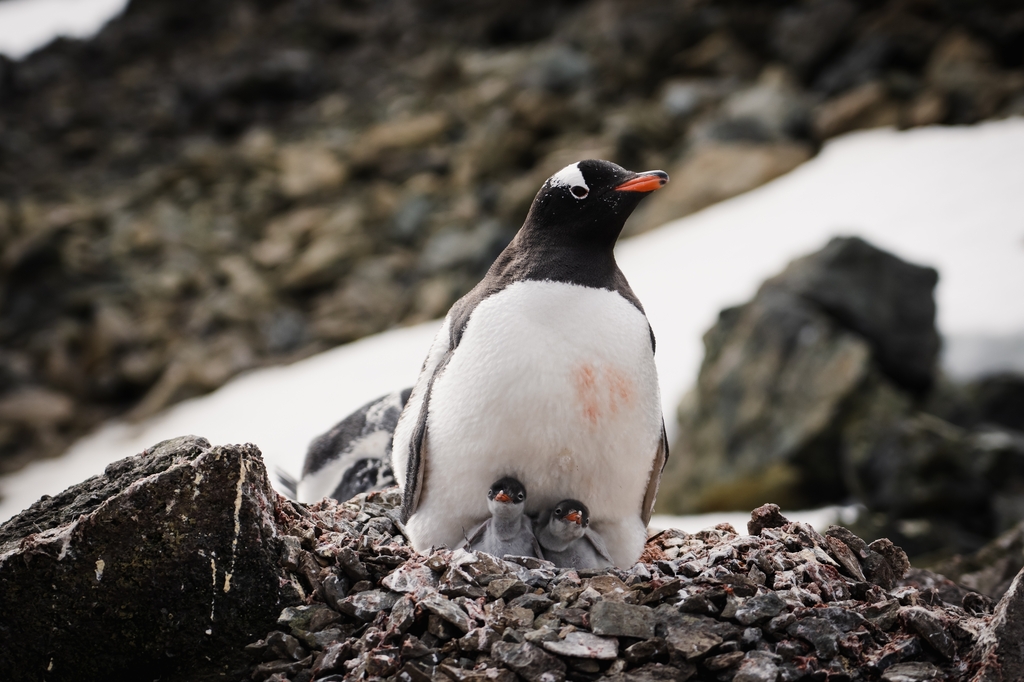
(508, 530)
(566, 538)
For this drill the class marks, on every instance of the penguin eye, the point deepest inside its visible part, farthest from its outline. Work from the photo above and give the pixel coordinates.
(520, 497)
(579, 191)
(558, 512)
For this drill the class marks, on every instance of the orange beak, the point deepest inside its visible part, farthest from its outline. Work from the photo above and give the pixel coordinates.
(502, 497)
(645, 182)
(574, 516)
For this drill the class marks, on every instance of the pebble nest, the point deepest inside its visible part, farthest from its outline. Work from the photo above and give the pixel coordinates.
(781, 603)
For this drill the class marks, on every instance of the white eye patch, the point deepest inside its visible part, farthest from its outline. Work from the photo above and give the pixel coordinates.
(571, 177)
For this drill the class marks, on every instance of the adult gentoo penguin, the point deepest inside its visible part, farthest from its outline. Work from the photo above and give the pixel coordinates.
(545, 372)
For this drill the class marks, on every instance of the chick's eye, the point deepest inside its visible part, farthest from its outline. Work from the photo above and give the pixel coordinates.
(558, 511)
(579, 191)
(520, 496)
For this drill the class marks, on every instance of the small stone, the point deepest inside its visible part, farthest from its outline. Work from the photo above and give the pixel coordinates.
(516, 617)
(723, 661)
(479, 639)
(883, 614)
(541, 635)
(281, 645)
(410, 672)
(931, 629)
(848, 538)
(759, 608)
(447, 610)
(846, 558)
(654, 672)
(578, 617)
(584, 645)
(350, 563)
(822, 634)
(413, 647)
(403, 614)
(663, 592)
(790, 648)
(691, 639)
(781, 622)
(305, 619)
(366, 605)
(751, 637)
(507, 588)
(529, 661)
(514, 635)
(732, 605)
(894, 556)
(977, 604)
(765, 516)
(410, 578)
(333, 657)
(645, 650)
(328, 636)
(334, 589)
(918, 671)
(485, 675)
(538, 603)
(757, 666)
(617, 619)
(290, 551)
(440, 628)
(528, 561)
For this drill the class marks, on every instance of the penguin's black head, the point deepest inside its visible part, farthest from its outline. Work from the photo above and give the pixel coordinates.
(589, 201)
(507, 490)
(573, 511)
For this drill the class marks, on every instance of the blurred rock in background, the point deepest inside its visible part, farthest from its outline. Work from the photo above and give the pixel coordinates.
(209, 187)
(824, 389)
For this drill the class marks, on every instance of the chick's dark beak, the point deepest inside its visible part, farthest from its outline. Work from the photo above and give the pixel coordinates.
(644, 182)
(502, 496)
(575, 517)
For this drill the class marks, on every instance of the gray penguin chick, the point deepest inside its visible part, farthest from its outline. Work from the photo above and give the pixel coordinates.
(566, 538)
(508, 530)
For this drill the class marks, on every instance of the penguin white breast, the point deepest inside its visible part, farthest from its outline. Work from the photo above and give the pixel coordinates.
(552, 383)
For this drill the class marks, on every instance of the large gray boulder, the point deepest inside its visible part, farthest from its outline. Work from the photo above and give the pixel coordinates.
(781, 373)
(165, 565)
(884, 299)
(822, 390)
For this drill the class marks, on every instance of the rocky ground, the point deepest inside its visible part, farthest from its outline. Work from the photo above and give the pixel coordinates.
(183, 563)
(209, 187)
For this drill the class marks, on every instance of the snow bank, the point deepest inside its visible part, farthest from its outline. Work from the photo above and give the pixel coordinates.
(27, 25)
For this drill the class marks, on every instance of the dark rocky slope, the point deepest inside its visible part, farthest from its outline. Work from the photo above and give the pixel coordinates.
(183, 564)
(210, 186)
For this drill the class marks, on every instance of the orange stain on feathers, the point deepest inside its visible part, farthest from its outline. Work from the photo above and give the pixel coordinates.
(601, 390)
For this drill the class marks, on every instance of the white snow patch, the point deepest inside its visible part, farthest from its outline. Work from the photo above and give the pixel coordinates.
(819, 519)
(27, 25)
(946, 197)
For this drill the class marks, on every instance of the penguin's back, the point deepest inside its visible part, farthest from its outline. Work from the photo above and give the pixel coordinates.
(553, 383)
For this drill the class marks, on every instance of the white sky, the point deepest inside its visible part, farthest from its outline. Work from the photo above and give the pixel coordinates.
(952, 198)
(26, 25)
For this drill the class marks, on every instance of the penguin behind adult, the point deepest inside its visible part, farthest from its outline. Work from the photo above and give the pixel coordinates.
(545, 372)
